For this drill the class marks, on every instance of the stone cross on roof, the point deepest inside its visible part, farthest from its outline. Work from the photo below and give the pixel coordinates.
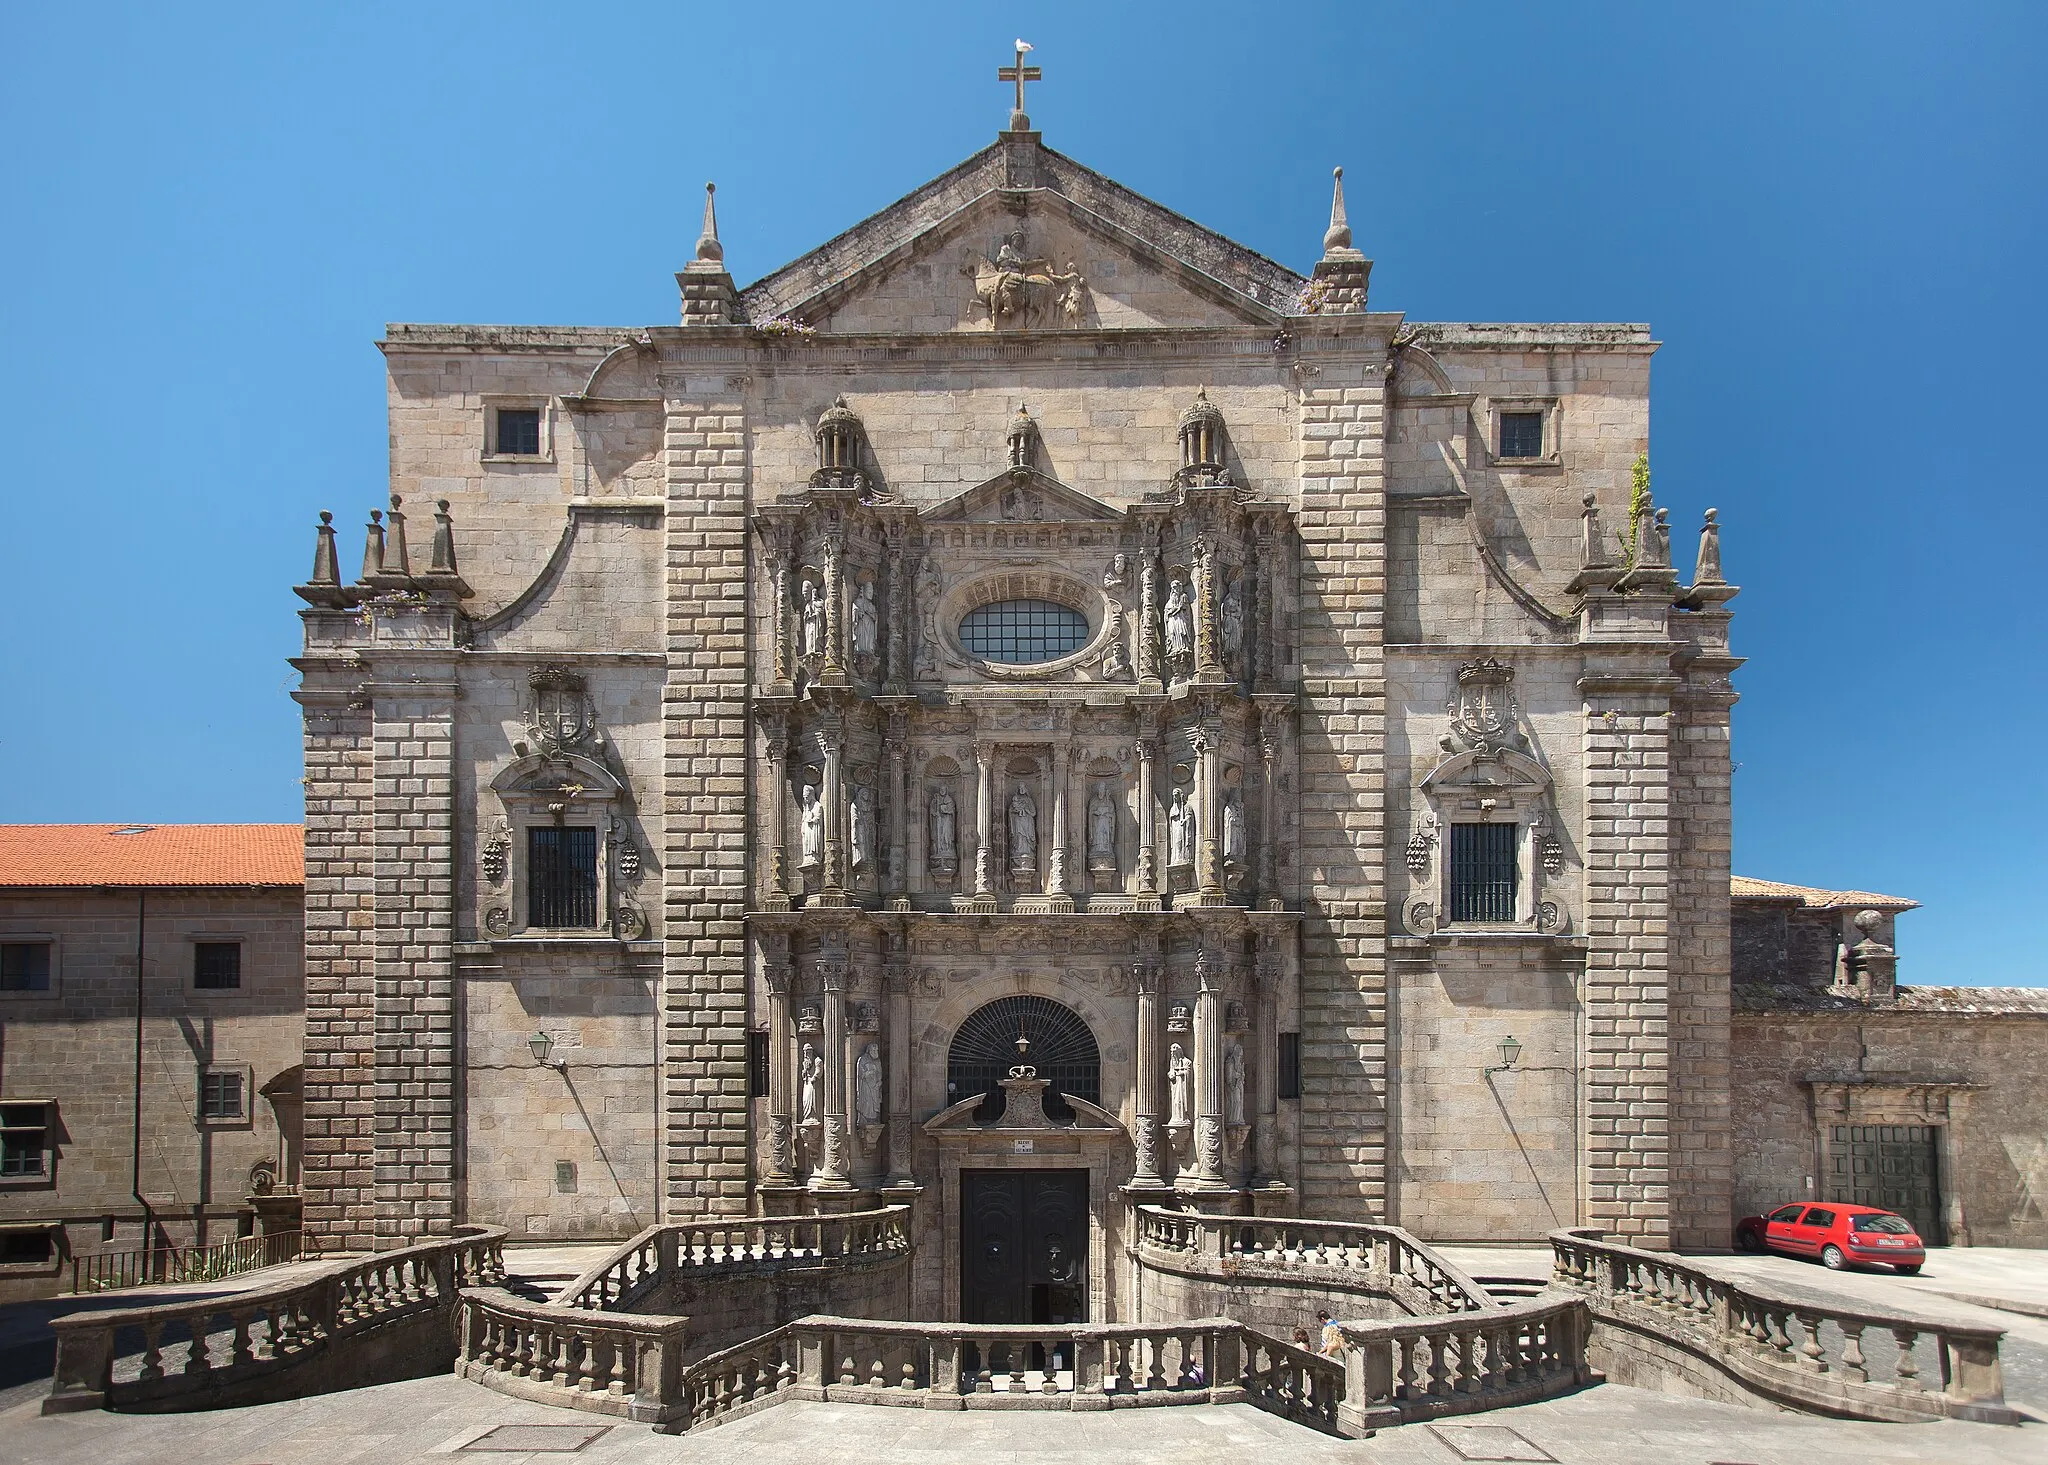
(1020, 73)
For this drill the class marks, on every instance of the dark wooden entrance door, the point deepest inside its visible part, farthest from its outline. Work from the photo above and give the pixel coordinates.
(1893, 1167)
(1024, 1246)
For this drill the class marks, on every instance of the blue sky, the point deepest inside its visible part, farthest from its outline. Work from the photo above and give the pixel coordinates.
(1831, 214)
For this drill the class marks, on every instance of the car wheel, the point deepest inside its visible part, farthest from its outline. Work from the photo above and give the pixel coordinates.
(1831, 1257)
(1748, 1240)
(1912, 1271)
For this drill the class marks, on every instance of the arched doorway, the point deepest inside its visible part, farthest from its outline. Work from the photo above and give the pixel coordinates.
(1054, 1040)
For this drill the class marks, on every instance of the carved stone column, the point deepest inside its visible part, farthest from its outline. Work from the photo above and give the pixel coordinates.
(984, 816)
(832, 973)
(897, 977)
(1208, 1075)
(778, 571)
(1207, 737)
(775, 871)
(1208, 663)
(1148, 821)
(1270, 733)
(1260, 661)
(1265, 1065)
(894, 671)
(1056, 863)
(1151, 669)
(781, 1096)
(898, 747)
(833, 878)
(1145, 1124)
(834, 670)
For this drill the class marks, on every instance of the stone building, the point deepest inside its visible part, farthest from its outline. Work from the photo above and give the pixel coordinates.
(1852, 1087)
(1030, 709)
(177, 1122)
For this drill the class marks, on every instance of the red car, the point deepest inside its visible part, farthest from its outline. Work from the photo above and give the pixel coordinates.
(1837, 1234)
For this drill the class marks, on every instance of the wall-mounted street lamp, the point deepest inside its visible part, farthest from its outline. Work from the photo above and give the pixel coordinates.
(541, 1045)
(1510, 1050)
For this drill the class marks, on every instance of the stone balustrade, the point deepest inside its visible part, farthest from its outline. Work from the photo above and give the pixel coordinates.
(1346, 1255)
(340, 1328)
(1681, 1326)
(1463, 1363)
(613, 1363)
(1078, 1366)
(662, 1253)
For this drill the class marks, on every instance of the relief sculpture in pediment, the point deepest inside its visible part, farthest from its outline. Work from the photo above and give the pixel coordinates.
(1016, 292)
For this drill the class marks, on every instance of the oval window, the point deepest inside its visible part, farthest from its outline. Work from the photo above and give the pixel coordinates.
(1023, 632)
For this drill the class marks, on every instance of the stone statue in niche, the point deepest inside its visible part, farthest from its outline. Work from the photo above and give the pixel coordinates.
(1233, 828)
(1232, 616)
(1233, 1084)
(867, 1086)
(814, 618)
(813, 844)
(1180, 1083)
(1023, 831)
(811, 1075)
(867, 627)
(1101, 830)
(1180, 830)
(863, 826)
(1116, 661)
(1180, 625)
(943, 855)
(929, 583)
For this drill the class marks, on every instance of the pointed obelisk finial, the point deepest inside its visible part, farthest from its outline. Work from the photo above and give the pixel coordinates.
(708, 247)
(325, 586)
(442, 578)
(1338, 235)
(373, 546)
(397, 562)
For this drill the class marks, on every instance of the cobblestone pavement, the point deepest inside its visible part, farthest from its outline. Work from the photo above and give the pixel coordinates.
(447, 1419)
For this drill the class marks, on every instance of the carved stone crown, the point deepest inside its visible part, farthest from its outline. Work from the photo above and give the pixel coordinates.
(1489, 672)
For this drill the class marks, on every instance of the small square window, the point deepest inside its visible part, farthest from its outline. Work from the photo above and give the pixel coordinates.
(25, 966)
(1521, 434)
(516, 432)
(565, 1177)
(24, 1140)
(217, 965)
(220, 1095)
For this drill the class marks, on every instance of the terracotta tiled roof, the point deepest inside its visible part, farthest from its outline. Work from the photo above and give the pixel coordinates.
(33, 855)
(1743, 887)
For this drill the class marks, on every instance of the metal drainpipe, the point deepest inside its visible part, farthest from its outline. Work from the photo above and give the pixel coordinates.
(135, 1173)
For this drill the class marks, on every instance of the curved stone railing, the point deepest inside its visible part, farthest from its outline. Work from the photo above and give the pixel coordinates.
(1343, 1253)
(1463, 1363)
(628, 1364)
(332, 1330)
(662, 1252)
(1078, 1366)
(1798, 1351)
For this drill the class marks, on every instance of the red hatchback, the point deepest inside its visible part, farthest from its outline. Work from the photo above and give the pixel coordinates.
(1837, 1234)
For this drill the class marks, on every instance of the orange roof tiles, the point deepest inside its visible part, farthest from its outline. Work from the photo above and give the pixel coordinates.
(47, 855)
(1813, 898)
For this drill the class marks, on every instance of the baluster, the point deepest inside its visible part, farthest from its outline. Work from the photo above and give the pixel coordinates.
(1122, 1372)
(1909, 1371)
(199, 1357)
(152, 1352)
(1780, 1338)
(1049, 1383)
(1155, 1347)
(240, 1352)
(1017, 1354)
(909, 1370)
(847, 1375)
(1811, 1351)
(1852, 1350)
(878, 1376)
(1406, 1388)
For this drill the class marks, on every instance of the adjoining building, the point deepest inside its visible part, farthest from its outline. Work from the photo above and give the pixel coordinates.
(151, 1014)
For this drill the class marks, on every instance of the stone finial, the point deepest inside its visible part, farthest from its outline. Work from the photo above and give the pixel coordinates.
(1707, 569)
(373, 546)
(708, 247)
(1338, 235)
(1201, 444)
(325, 586)
(1592, 551)
(397, 561)
(442, 578)
(1663, 536)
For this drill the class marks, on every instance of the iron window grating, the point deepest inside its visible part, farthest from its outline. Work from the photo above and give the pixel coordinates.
(757, 1065)
(1521, 434)
(1023, 632)
(1483, 872)
(25, 966)
(561, 891)
(217, 965)
(517, 432)
(1061, 1048)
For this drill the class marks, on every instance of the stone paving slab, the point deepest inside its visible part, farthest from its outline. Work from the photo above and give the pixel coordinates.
(447, 1421)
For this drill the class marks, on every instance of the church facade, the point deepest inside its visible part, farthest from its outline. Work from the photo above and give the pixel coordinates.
(1030, 710)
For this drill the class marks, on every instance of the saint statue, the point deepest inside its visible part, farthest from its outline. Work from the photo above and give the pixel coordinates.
(813, 826)
(866, 627)
(864, 825)
(1232, 616)
(1180, 1084)
(1180, 830)
(1233, 828)
(814, 618)
(1180, 623)
(811, 1071)
(1115, 574)
(1233, 1084)
(1023, 831)
(867, 1086)
(942, 855)
(929, 583)
(1101, 830)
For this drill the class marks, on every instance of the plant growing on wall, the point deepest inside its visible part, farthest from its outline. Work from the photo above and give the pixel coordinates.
(1638, 499)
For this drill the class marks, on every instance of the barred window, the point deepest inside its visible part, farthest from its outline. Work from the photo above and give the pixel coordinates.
(757, 1065)
(220, 1095)
(561, 890)
(25, 966)
(217, 965)
(1023, 632)
(518, 432)
(1521, 434)
(1483, 872)
(24, 1137)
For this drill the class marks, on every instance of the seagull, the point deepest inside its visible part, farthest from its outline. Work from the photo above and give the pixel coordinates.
(1023, 46)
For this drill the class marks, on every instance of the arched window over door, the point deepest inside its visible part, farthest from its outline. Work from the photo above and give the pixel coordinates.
(1056, 1042)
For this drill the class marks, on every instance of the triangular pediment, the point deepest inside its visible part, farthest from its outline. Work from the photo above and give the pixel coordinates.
(1021, 496)
(1019, 238)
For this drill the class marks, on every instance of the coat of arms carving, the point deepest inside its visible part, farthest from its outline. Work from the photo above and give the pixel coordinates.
(1483, 711)
(559, 714)
(1017, 292)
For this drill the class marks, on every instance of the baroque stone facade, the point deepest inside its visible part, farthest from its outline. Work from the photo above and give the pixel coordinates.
(1028, 595)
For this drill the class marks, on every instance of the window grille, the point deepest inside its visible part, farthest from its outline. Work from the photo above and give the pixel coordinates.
(561, 891)
(518, 432)
(1057, 1044)
(1521, 434)
(217, 965)
(220, 1096)
(757, 1065)
(1483, 872)
(1023, 632)
(25, 966)
(24, 1136)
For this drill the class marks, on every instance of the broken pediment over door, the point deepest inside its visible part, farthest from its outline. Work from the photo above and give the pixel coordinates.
(1022, 496)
